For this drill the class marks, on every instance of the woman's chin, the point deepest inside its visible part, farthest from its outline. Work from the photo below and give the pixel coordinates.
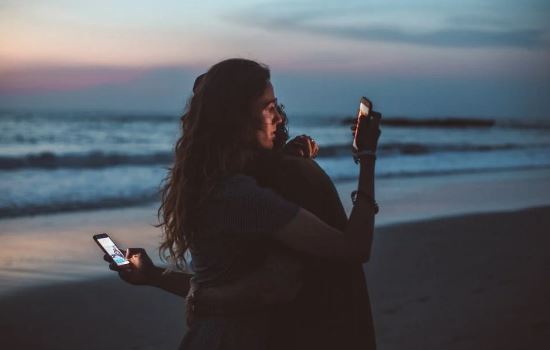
(266, 144)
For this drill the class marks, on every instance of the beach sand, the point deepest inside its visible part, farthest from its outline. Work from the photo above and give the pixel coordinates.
(470, 282)
(466, 282)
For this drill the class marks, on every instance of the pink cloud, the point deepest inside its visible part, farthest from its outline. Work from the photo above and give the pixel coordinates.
(54, 79)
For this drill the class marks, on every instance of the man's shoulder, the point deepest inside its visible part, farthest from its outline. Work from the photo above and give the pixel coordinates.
(305, 183)
(300, 165)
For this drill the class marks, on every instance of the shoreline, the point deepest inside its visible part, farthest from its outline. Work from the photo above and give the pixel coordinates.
(49, 249)
(431, 197)
(343, 185)
(471, 281)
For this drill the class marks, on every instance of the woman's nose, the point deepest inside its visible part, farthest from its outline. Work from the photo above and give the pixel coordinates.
(278, 118)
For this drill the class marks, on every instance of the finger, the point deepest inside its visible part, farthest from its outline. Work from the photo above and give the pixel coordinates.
(310, 147)
(312, 142)
(302, 146)
(300, 141)
(303, 141)
(315, 146)
(123, 274)
(133, 252)
(315, 150)
(376, 116)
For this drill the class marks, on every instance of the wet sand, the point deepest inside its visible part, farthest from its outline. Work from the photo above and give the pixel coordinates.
(466, 282)
(54, 248)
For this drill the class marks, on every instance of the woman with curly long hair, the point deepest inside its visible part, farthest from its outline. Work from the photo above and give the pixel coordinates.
(212, 207)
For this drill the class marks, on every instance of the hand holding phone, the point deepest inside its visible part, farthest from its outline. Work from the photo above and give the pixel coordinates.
(366, 129)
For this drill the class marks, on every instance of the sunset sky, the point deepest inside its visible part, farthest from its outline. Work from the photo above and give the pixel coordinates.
(412, 58)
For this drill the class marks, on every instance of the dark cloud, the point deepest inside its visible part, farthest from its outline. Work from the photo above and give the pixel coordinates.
(459, 36)
(462, 38)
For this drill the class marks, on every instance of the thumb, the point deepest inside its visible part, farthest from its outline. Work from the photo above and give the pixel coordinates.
(131, 252)
(376, 116)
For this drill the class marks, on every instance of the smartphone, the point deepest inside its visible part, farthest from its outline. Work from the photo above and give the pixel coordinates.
(365, 106)
(109, 247)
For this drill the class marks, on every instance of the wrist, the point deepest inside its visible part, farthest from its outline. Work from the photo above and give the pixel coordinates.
(362, 156)
(366, 166)
(366, 159)
(154, 276)
(365, 196)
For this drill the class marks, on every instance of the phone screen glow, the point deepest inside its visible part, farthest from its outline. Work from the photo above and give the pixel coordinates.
(363, 110)
(113, 251)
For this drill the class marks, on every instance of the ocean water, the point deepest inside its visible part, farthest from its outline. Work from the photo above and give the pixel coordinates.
(63, 161)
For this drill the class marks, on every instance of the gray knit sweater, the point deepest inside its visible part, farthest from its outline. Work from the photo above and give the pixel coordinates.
(239, 220)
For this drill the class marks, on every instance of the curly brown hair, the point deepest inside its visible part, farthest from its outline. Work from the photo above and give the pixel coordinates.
(217, 140)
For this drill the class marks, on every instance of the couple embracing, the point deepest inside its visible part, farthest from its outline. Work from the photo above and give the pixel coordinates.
(276, 263)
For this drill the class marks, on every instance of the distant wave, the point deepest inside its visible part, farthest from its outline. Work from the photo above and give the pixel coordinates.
(403, 174)
(151, 196)
(294, 119)
(406, 148)
(79, 117)
(432, 122)
(49, 160)
(59, 207)
(524, 124)
(512, 123)
(94, 160)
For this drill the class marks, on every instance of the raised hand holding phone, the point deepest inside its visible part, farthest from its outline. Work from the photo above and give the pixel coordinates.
(366, 129)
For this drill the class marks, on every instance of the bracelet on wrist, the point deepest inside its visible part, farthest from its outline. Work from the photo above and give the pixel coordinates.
(373, 203)
(364, 154)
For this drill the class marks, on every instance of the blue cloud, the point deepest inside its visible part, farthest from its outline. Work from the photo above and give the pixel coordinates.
(462, 38)
(495, 33)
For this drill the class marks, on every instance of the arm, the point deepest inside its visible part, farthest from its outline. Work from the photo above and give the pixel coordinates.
(174, 282)
(144, 273)
(309, 234)
(276, 281)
